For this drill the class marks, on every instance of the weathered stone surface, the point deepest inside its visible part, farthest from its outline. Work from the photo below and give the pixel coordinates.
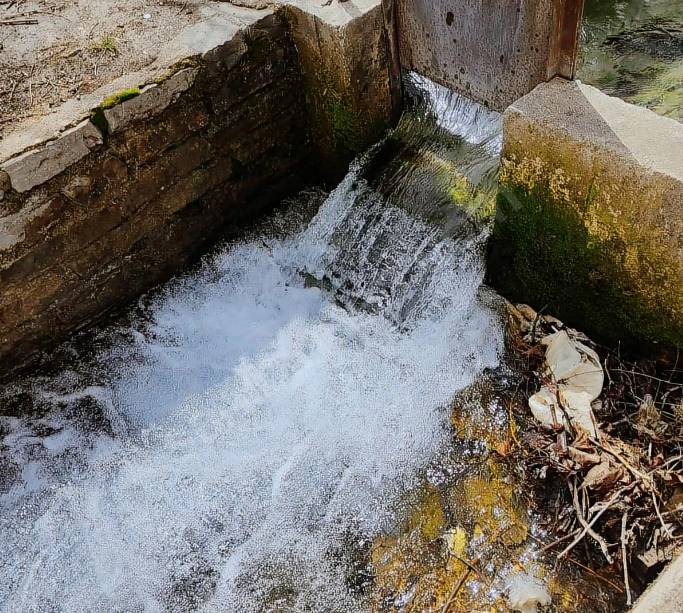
(38, 166)
(346, 62)
(151, 101)
(665, 595)
(492, 52)
(590, 220)
(13, 226)
(187, 160)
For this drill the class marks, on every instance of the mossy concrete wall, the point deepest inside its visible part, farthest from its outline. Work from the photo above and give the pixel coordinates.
(347, 70)
(590, 214)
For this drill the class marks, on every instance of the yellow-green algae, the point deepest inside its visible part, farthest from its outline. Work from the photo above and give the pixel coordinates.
(97, 114)
(589, 244)
(479, 520)
(119, 97)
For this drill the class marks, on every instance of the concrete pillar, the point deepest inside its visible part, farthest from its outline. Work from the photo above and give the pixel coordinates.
(493, 51)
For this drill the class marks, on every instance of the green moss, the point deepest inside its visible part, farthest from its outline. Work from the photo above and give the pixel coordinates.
(543, 253)
(97, 114)
(345, 133)
(460, 190)
(119, 97)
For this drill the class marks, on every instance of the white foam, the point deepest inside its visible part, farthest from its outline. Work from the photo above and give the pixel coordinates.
(257, 429)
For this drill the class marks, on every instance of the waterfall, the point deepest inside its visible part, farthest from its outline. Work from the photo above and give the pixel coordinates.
(261, 418)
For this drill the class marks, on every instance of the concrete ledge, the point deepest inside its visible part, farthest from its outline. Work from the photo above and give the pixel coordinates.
(665, 595)
(590, 220)
(35, 167)
(151, 101)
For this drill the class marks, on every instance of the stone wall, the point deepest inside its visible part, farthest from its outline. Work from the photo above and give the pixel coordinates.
(116, 192)
(346, 69)
(590, 220)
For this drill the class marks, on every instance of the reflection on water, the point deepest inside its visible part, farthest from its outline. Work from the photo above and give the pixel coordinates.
(633, 49)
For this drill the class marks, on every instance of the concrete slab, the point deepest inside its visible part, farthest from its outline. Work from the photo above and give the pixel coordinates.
(492, 52)
(665, 595)
(151, 100)
(35, 167)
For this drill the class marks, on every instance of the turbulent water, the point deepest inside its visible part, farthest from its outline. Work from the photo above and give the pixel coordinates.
(262, 418)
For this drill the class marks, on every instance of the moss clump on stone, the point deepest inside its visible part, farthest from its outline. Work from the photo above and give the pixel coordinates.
(97, 114)
(119, 97)
(556, 251)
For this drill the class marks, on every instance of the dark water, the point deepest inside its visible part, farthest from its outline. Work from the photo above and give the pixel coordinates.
(633, 49)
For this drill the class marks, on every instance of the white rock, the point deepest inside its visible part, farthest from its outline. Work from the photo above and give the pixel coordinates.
(525, 593)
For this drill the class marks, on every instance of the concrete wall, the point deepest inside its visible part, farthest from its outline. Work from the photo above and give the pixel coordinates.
(347, 72)
(493, 51)
(590, 220)
(113, 193)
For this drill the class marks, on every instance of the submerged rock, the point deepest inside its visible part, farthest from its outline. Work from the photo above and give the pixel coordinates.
(526, 594)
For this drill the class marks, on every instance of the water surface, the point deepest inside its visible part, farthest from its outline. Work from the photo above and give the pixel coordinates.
(633, 49)
(236, 441)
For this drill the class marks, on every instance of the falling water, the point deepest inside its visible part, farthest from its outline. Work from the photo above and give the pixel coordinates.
(259, 420)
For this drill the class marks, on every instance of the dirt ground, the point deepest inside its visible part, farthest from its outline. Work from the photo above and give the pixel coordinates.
(53, 50)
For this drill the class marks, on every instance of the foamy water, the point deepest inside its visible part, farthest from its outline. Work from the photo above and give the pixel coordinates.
(260, 423)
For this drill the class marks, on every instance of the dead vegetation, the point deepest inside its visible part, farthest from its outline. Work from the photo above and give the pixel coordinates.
(52, 51)
(616, 485)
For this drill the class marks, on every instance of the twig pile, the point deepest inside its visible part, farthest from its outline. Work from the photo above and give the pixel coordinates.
(623, 478)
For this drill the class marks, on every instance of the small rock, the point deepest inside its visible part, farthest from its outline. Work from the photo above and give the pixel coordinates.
(526, 593)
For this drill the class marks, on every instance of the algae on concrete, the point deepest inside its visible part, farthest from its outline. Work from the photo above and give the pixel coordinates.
(589, 220)
(577, 254)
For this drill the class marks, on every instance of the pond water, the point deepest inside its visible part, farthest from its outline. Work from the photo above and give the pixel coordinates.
(633, 49)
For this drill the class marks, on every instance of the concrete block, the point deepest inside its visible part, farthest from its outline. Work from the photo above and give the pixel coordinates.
(665, 595)
(39, 165)
(492, 52)
(590, 219)
(150, 102)
(346, 62)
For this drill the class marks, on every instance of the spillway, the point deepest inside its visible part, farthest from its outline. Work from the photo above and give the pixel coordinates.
(231, 443)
